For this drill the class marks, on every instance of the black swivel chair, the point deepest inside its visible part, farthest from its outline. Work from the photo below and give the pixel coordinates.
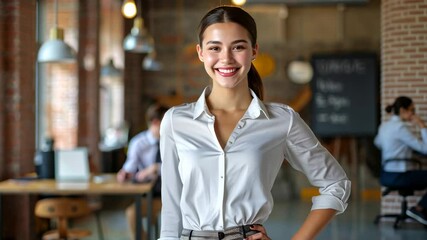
(403, 191)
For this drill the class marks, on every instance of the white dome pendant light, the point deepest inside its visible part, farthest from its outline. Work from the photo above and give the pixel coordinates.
(55, 49)
(138, 40)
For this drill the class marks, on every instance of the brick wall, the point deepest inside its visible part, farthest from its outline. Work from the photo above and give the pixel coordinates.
(404, 64)
(88, 75)
(17, 128)
(17, 85)
(18, 49)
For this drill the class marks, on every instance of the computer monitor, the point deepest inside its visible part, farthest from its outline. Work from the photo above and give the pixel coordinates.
(72, 165)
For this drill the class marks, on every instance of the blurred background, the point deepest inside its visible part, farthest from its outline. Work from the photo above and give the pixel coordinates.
(336, 62)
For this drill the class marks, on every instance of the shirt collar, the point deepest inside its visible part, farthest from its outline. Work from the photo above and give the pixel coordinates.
(254, 110)
(201, 106)
(151, 138)
(395, 118)
(256, 107)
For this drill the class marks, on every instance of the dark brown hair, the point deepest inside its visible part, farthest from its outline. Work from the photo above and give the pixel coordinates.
(400, 102)
(237, 15)
(155, 112)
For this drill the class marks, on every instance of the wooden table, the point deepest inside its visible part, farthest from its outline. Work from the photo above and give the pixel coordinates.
(104, 184)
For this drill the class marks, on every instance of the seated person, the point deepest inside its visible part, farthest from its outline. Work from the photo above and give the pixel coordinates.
(143, 162)
(396, 141)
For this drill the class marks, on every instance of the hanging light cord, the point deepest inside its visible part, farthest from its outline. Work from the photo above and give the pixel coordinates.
(56, 13)
(150, 15)
(140, 8)
(110, 28)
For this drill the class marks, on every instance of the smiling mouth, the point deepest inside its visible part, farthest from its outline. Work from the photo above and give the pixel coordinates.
(226, 70)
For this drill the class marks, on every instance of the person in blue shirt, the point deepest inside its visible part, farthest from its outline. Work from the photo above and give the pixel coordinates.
(396, 140)
(222, 153)
(143, 162)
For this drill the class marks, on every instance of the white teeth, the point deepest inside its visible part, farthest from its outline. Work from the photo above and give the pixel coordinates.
(226, 70)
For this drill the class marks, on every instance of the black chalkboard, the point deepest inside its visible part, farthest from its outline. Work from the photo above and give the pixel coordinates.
(345, 89)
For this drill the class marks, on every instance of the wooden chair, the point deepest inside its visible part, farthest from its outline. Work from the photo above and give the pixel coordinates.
(62, 209)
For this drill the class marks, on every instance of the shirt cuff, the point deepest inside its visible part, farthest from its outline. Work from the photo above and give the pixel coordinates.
(328, 202)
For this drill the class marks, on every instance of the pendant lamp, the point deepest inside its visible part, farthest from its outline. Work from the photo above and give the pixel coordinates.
(138, 40)
(300, 71)
(55, 49)
(150, 63)
(110, 70)
(129, 9)
(238, 2)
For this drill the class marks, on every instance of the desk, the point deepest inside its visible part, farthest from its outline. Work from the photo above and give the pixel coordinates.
(105, 184)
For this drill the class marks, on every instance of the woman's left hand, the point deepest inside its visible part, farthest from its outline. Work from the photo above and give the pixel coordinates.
(262, 235)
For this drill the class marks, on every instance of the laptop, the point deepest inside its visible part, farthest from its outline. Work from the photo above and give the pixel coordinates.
(72, 165)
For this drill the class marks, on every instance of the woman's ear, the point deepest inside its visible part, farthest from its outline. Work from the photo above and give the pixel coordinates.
(255, 52)
(199, 52)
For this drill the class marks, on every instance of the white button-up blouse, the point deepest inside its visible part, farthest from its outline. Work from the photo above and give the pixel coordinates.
(206, 187)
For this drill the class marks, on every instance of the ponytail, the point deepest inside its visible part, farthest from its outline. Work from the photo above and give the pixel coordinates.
(389, 108)
(400, 102)
(255, 82)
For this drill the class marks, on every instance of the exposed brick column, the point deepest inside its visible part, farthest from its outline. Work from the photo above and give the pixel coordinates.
(134, 82)
(88, 59)
(17, 99)
(404, 61)
(404, 52)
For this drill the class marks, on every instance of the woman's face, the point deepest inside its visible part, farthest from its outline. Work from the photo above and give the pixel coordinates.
(227, 54)
(406, 114)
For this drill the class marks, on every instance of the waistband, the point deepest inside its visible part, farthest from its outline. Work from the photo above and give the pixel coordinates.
(243, 231)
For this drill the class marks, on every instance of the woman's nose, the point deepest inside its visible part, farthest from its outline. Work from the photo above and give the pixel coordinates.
(226, 56)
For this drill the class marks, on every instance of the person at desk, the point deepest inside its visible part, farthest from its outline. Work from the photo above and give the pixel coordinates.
(222, 153)
(143, 162)
(396, 141)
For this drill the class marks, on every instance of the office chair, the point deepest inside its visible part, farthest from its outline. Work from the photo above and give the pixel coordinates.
(62, 209)
(403, 191)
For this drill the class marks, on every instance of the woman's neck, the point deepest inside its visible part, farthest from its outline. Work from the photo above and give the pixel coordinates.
(229, 99)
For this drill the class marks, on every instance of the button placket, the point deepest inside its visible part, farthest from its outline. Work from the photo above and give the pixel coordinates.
(221, 186)
(241, 124)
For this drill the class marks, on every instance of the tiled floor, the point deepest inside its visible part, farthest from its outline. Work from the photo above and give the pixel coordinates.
(355, 224)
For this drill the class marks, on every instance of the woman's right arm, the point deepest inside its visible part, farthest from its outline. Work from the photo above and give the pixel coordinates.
(171, 223)
(419, 121)
(406, 136)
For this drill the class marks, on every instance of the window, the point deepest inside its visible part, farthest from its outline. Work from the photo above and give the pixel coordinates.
(57, 83)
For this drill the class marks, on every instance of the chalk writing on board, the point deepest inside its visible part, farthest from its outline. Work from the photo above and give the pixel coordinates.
(344, 94)
(336, 102)
(349, 66)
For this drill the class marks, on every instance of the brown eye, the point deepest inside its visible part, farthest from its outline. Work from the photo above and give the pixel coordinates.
(239, 48)
(213, 48)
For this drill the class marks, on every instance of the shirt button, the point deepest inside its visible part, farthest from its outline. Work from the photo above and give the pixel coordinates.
(222, 176)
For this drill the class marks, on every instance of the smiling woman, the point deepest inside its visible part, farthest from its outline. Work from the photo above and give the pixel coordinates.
(227, 140)
(227, 53)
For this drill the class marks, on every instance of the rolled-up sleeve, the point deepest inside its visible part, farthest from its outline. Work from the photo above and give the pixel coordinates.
(306, 154)
(171, 225)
